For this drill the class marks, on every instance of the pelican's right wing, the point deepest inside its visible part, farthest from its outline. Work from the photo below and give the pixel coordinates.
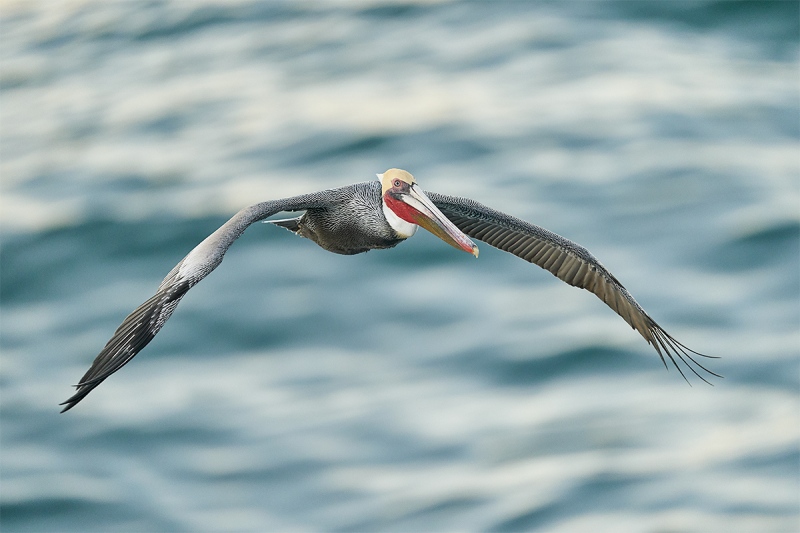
(141, 325)
(567, 261)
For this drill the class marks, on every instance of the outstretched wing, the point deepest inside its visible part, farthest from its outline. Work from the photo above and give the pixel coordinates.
(141, 326)
(567, 261)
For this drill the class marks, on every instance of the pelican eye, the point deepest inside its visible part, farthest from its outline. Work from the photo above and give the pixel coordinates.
(397, 183)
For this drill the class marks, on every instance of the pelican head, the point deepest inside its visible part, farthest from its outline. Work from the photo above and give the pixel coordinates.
(406, 206)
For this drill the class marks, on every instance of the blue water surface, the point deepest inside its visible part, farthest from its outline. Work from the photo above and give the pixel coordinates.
(417, 388)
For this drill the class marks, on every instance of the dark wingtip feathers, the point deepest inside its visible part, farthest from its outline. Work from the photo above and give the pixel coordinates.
(664, 343)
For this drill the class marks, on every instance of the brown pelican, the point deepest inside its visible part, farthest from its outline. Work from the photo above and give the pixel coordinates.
(371, 215)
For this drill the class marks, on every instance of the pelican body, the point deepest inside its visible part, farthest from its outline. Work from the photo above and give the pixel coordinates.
(375, 215)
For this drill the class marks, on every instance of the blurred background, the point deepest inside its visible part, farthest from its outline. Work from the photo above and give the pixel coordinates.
(415, 388)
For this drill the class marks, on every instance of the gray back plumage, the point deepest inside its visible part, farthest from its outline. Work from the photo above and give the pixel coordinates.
(351, 222)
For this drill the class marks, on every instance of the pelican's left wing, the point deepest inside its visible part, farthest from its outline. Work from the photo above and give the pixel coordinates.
(139, 328)
(567, 261)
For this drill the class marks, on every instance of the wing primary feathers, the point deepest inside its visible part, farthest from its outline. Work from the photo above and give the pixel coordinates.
(683, 353)
(135, 332)
(570, 263)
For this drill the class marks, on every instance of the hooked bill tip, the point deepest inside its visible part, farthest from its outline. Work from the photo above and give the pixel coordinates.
(475, 250)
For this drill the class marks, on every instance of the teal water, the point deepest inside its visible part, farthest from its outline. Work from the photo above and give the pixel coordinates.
(412, 389)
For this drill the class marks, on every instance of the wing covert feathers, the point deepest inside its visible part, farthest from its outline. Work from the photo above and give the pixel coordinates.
(570, 263)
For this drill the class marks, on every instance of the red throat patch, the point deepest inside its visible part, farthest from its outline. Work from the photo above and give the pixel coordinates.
(401, 209)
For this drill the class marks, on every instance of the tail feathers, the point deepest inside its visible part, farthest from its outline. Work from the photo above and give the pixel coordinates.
(292, 224)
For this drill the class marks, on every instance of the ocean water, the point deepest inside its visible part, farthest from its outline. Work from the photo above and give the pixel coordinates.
(412, 389)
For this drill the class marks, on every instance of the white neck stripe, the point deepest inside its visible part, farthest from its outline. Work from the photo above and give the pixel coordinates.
(403, 228)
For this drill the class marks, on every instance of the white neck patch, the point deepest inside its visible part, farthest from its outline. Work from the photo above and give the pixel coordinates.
(403, 228)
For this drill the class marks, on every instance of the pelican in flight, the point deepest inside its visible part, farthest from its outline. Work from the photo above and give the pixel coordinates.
(371, 215)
